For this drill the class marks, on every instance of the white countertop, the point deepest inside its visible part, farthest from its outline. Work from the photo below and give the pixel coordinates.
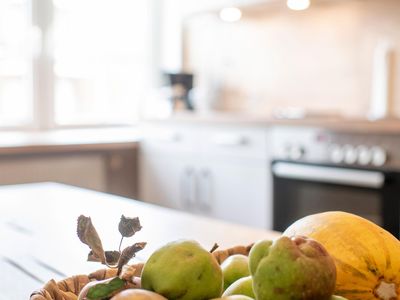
(38, 232)
(67, 140)
(337, 123)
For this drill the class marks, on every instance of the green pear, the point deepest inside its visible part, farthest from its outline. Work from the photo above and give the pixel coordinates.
(137, 294)
(183, 270)
(294, 269)
(234, 297)
(234, 267)
(242, 286)
(259, 250)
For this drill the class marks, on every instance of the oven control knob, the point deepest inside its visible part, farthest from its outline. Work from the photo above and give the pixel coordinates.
(336, 154)
(364, 155)
(350, 154)
(296, 152)
(379, 156)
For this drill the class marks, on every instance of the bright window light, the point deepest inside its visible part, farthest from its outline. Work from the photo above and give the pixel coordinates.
(298, 4)
(15, 68)
(230, 14)
(101, 60)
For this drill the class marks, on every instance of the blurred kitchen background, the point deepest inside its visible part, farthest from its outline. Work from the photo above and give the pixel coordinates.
(251, 111)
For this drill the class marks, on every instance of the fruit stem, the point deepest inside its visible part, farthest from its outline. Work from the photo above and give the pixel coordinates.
(120, 243)
(386, 291)
(215, 247)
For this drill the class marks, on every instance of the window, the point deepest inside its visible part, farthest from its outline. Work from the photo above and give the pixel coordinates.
(74, 62)
(15, 64)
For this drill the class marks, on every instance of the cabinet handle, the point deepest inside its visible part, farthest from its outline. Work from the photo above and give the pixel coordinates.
(229, 140)
(205, 191)
(170, 138)
(187, 188)
(192, 187)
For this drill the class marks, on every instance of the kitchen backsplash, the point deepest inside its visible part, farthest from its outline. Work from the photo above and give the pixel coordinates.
(320, 59)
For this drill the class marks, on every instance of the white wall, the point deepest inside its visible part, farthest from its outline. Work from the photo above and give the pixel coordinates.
(320, 59)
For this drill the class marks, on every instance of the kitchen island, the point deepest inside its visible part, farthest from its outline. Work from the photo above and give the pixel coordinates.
(39, 241)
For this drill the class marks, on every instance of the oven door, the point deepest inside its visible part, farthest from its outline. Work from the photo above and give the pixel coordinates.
(301, 189)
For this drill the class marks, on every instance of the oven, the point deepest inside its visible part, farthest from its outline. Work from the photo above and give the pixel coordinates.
(303, 188)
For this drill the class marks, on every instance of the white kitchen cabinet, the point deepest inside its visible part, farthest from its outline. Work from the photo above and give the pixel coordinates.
(166, 166)
(218, 172)
(234, 191)
(166, 180)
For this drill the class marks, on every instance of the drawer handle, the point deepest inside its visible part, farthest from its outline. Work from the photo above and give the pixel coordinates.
(170, 138)
(230, 140)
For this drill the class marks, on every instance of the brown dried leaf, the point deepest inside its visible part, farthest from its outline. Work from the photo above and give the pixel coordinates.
(128, 226)
(88, 235)
(128, 253)
(92, 257)
(112, 257)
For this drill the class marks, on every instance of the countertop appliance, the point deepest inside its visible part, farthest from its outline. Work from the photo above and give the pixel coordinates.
(315, 170)
(181, 85)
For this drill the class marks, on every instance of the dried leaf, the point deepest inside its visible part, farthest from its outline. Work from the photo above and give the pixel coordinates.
(128, 226)
(128, 253)
(92, 257)
(88, 235)
(105, 290)
(112, 257)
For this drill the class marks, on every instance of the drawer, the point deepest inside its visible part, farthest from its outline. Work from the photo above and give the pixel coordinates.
(170, 139)
(242, 143)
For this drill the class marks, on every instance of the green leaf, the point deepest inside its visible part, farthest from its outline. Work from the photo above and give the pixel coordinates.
(104, 290)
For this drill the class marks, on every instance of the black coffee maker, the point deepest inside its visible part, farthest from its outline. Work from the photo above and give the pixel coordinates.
(180, 84)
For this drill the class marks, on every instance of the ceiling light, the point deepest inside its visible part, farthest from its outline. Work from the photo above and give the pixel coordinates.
(230, 14)
(298, 4)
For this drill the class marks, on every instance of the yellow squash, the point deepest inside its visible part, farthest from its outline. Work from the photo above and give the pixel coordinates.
(367, 257)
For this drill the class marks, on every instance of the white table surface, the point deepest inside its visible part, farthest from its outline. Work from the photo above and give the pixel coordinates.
(38, 232)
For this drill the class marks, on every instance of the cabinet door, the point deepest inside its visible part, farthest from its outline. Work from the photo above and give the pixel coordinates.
(235, 191)
(85, 170)
(166, 180)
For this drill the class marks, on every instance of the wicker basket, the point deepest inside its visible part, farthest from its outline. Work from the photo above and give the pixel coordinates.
(69, 288)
